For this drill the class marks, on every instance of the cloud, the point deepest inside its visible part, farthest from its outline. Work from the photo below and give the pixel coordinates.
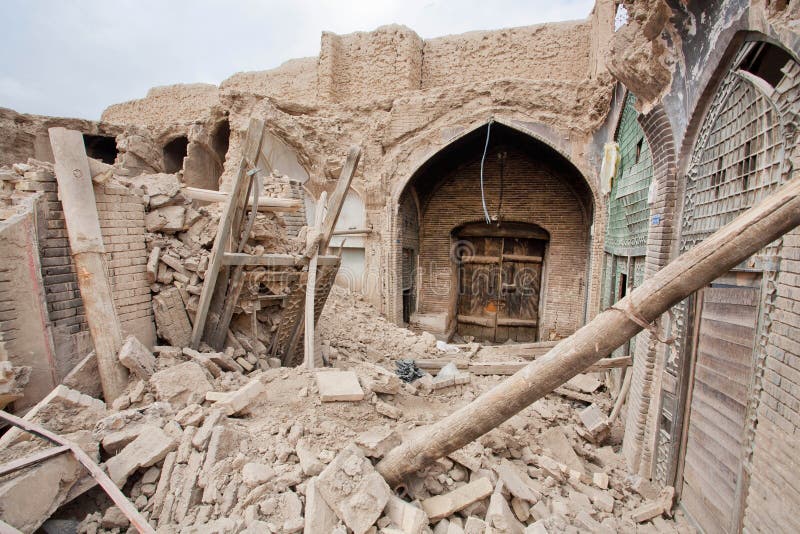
(76, 58)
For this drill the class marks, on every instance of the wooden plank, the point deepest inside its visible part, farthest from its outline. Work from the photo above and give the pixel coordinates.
(35, 458)
(255, 134)
(353, 231)
(522, 258)
(337, 199)
(480, 260)
(703, 511)
(437, 364)
(86, 246)
(217, 335)
(476, 320)
(509, 321)
(729, 332)
(264, 203)
(311, 286)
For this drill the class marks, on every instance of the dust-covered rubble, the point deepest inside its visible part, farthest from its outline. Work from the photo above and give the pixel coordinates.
(211, 449)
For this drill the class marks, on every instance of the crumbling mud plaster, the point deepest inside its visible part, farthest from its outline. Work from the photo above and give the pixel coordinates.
(402, 98)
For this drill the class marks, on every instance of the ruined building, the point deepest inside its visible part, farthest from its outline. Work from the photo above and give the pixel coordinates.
(512, 186)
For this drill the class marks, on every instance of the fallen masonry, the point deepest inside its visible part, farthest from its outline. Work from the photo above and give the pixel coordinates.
(482, 283)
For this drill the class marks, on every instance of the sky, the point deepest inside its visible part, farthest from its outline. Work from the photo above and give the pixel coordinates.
(73, 58)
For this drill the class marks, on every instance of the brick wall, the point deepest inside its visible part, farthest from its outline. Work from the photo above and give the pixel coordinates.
(24, 336)
(121, 216)
(533, 193)
(774, 491)
(639, 429)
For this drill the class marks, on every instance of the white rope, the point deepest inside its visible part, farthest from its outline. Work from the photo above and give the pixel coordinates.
(483, 159)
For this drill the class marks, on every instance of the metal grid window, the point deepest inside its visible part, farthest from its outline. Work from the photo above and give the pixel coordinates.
(736, 161)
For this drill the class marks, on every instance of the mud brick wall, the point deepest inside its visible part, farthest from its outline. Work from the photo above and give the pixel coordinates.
(121, 216)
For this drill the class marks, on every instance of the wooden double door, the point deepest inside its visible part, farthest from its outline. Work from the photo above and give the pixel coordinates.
(714, 481)
(499, 287)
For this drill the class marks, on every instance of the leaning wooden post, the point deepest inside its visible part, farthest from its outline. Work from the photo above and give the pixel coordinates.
(726, 248)
(311, 282)
(88, 253)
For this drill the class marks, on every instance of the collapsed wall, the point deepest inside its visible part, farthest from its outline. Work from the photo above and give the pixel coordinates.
(53, 337)
(403, 99)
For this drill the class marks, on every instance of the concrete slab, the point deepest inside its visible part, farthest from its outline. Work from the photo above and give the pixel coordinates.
(339, 386)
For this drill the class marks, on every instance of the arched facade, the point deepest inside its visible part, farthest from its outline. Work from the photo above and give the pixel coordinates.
(704, 414)
(526, 181)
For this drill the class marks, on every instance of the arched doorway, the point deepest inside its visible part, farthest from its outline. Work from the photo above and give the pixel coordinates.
(527, 187)
(499, 280)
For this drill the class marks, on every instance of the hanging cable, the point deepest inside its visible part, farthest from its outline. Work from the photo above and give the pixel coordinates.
(483, 159)
(502, 157)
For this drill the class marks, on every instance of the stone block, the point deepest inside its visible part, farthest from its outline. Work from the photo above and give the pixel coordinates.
(309, 462)
(87, 410)
(254, 474)
(407, 517)
(168, 219)
(500, 516)
(136, 357)
(377, 441)
(441, 506)
(386, 409)
(178, 384)
(354, 490)
(238, 401)
(517, 482)
(149, 448)
(319, 517)
(172, 322)
(339, 386)
(475, 525)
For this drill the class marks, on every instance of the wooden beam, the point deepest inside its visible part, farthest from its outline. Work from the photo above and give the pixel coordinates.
(353, 231)
(111, 489)
(264, 203)
(482, 260)
(509, 368)
(86, 244)
(337, 200)
(311, 286)
(522, 258)
(273, 260)
(476, 320)
(255, 134)
(775, 215)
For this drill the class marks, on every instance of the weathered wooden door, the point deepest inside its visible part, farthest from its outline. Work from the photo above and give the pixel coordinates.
(499, 288)
(713, 479)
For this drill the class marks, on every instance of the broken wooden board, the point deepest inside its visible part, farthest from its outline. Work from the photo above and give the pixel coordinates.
(290, 332)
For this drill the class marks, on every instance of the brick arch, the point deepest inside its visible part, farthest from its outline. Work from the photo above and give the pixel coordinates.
(639, 429)
(576, 186)
(542, 133)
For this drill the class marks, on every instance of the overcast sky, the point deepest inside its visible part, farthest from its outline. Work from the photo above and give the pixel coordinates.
(73, 58)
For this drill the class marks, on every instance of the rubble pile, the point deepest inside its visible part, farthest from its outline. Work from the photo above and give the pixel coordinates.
(199, 446)
(179, 239)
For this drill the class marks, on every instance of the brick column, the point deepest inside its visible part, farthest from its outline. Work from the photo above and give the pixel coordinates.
(649, 355)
